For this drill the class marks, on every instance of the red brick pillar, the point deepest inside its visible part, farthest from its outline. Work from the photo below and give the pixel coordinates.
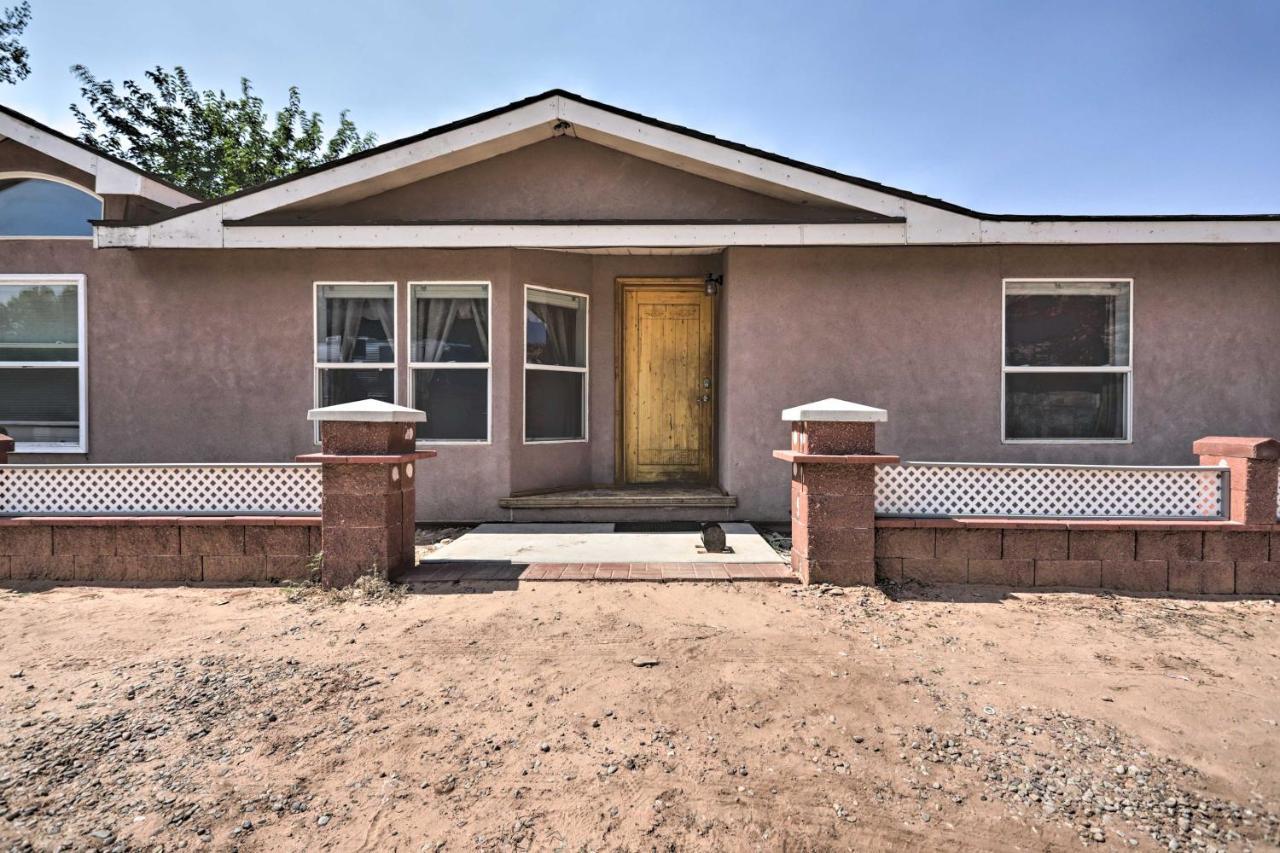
(6, 447)
(369, 471)
(833, 470)
(1253, 463)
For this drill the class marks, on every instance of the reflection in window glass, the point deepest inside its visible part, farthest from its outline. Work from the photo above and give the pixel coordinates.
(555, 402)
(355, 323)
(556, 332)
(39, 322)
(1067, 370)
(41, 364)
(348, 386)
(355, 344)
(33, 207)
(450, 323)
(553, 405)
(40, 406)
(1080, 326)
(456, 403)
(1065, 405)
(449, 354)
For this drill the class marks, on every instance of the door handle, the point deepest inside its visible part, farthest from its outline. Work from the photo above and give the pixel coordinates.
(705, 398)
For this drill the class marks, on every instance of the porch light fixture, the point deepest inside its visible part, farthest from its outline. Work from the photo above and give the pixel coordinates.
(714, 283)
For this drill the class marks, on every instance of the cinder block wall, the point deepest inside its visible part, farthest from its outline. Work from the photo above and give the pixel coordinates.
(237, 549)
(1219, 559)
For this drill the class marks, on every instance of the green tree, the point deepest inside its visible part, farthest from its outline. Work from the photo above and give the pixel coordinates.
(205, 141)
(13, 56)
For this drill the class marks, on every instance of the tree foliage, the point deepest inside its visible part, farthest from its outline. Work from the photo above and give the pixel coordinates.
(13, 56)
(202, 140)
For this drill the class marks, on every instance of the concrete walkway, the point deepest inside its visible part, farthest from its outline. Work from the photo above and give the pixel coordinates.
(508, 552)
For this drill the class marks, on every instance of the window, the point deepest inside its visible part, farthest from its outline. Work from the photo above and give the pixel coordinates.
(449, 359)
(555, 365)
(355, 342)
(32, 206)
(42, 363)
(1067, 360)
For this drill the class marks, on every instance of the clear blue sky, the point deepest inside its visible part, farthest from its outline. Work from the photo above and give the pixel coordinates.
(1015, 106)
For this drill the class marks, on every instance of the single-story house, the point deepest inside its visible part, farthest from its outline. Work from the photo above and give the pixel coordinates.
(581, 296)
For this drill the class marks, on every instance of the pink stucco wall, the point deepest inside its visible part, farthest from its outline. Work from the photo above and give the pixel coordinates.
(917, 331)
(567, 179)
(202, 355)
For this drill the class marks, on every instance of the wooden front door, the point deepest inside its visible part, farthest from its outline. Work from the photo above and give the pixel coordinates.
(668, 396)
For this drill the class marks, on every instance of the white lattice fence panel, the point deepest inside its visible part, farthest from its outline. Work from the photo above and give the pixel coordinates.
(287, 489)
(1049, 491)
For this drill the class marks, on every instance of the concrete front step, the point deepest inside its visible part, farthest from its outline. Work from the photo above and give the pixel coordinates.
(623, 497)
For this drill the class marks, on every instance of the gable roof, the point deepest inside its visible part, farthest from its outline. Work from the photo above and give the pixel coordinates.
(899, 216)
(112, 175)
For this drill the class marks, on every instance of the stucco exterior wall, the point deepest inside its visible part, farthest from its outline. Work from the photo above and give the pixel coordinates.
(207, 355)
(567, 179)
(917, 331)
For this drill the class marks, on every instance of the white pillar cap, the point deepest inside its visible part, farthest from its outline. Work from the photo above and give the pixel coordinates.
(368, 411)
(832, 409)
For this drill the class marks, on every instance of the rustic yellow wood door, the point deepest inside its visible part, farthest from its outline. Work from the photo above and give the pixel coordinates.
(668, 382)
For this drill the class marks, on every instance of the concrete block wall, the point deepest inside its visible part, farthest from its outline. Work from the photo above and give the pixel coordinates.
(149, 549)
(1215, 558)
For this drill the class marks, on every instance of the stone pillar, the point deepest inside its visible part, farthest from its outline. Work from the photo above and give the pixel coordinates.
(833, 469)
(1253, 463)
(368, 465)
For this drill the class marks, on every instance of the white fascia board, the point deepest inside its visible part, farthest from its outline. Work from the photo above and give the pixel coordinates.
(691, 151)
(115, 237)
(203, 229)
(931, 226)
(405, 156)
(59, 149)
(556, 236)
(1196, 231)
(109, 178)
(200, 229)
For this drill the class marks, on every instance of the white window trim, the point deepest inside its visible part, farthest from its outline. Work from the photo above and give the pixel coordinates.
(487, 364)
(1005, 370)
(585, 370)
(41, 176)
(317, 364)
(82, 364)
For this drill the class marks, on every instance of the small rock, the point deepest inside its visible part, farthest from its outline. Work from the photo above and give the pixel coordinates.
(644, 662)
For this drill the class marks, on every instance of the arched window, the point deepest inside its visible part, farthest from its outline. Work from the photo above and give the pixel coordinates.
(32, 206)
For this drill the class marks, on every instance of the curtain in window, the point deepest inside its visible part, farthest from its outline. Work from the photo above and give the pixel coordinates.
(435, 319)
(1110, 409)
(561, 325)
(346, 315)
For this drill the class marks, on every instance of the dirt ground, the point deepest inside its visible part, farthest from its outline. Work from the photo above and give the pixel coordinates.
(761, 717)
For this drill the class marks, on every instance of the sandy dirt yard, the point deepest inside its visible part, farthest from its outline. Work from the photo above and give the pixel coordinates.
(598, 716)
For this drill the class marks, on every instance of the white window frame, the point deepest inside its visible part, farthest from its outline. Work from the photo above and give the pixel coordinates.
(81, 364)
(585, 370)
(318, 365)
(41, 176)
(1005, 369)
(487, 364)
